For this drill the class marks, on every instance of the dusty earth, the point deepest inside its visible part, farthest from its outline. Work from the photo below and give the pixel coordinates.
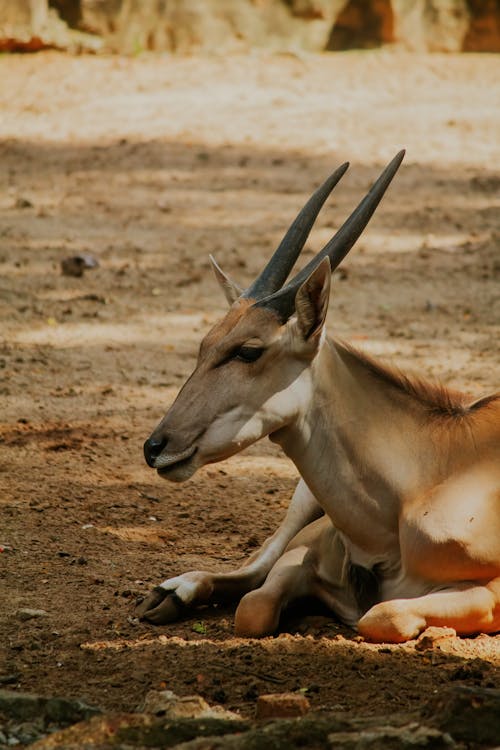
(149, 164)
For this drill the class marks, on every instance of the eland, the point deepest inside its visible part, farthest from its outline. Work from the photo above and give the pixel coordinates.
(395, 522)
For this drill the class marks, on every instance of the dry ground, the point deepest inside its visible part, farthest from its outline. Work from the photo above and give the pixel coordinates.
(150, 164)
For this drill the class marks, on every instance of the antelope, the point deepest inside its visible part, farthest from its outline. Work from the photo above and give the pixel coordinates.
(395, 522)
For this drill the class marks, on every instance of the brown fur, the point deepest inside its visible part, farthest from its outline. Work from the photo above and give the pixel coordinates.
(438, 400)
(240, 323)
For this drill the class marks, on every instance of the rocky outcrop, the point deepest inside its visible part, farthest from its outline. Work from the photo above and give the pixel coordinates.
(187, 26)
(361, 25)
(31, 25)
(206, 26)
(419, 25)
(431, 25)
(483, 31)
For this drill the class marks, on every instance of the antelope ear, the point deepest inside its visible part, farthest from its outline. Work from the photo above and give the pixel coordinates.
(311, 302)
(230, 289)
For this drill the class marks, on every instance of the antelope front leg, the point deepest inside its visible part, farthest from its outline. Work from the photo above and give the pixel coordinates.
(468, 609)
(171, 598)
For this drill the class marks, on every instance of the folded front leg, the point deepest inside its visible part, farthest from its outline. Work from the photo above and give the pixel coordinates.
(172, 598)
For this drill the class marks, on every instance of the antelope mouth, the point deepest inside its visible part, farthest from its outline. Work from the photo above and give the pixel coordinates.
(166, 462)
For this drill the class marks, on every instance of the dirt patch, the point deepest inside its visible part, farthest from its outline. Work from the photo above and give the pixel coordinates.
(150, 164)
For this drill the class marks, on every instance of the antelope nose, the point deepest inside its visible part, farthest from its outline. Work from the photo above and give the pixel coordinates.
(152, 449)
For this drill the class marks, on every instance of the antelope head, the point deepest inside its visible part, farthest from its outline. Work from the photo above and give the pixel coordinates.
(253, 376)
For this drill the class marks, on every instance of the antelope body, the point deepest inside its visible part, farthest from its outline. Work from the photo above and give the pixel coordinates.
(395, 523)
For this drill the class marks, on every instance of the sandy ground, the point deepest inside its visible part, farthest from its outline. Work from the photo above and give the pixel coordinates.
(150, 164)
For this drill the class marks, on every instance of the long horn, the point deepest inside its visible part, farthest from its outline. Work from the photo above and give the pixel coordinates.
(276, 271)
(283, 301)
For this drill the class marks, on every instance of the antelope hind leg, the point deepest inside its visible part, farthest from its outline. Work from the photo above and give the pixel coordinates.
(176, 596)
(468, 609)
(293, 576)
(258, 613)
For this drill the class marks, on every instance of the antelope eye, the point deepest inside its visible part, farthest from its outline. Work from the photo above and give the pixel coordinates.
(249, 353)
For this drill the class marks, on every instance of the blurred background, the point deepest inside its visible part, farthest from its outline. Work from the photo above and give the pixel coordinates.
(188, 26)
(137, 137)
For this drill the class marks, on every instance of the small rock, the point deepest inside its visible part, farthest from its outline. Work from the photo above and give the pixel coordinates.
(10, 679)
(164, 205)
(167, 703)
(26, 733)
(281, 706)
(432, 636)
(23, 203)
(77, 264)
(30, 614)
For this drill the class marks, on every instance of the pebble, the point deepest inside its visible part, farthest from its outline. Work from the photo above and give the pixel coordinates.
(281, 706)
(29, 614)
(167, 703)
(77, 264)
(23, 203)
(9, 679)
(432, 636)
